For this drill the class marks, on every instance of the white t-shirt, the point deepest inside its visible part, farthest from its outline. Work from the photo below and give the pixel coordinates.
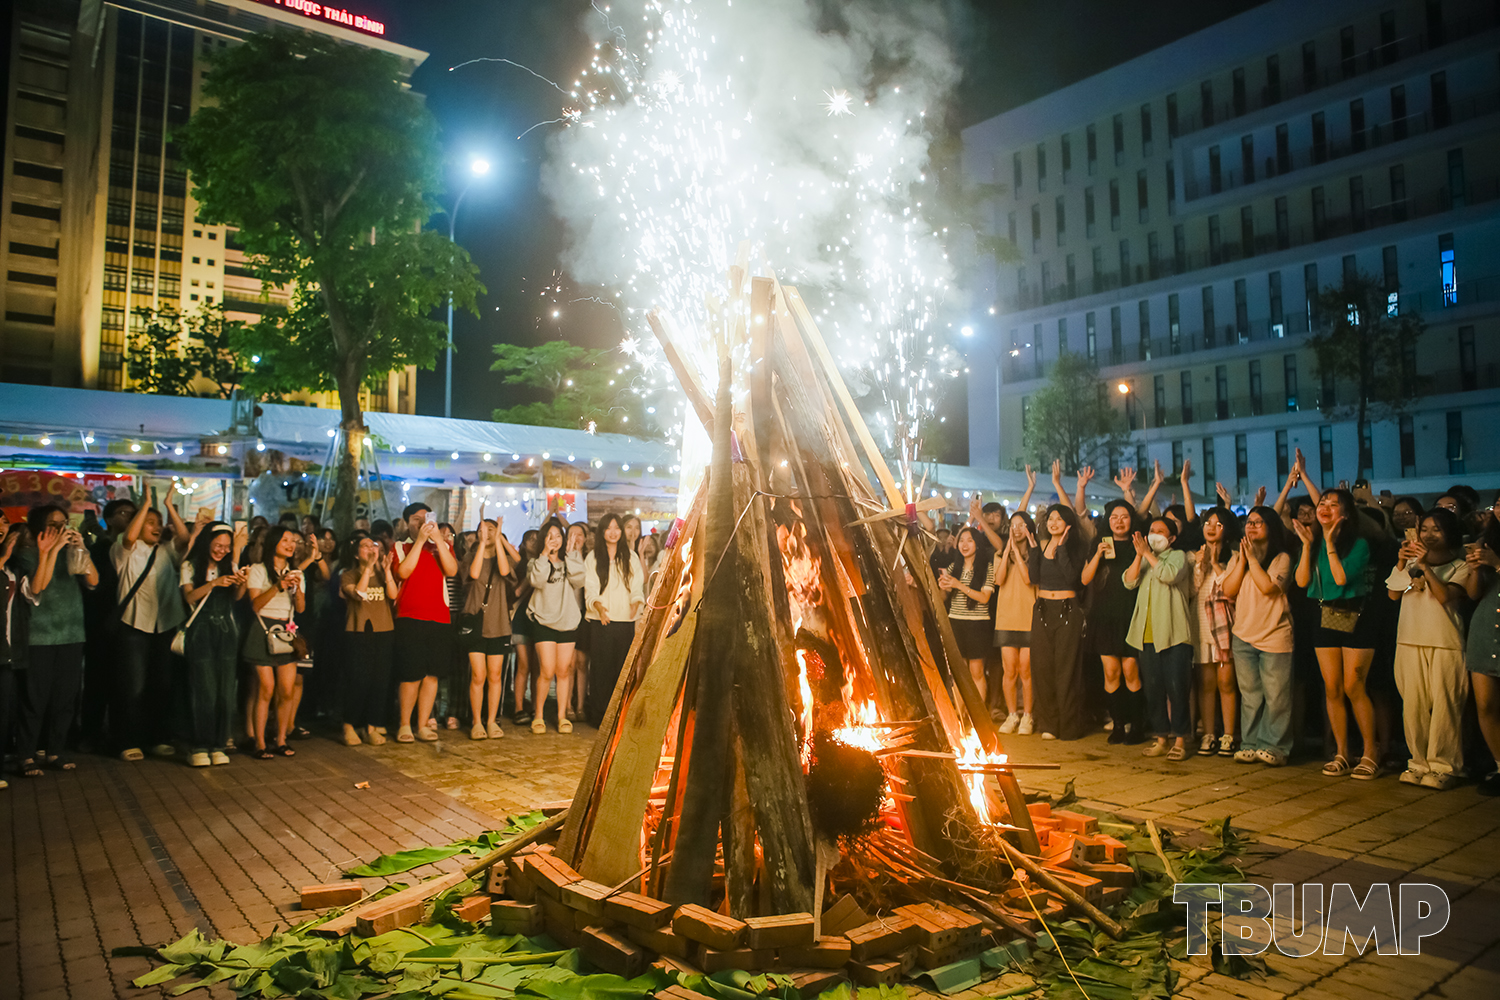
(280, 606)
(1425, 621)
(157, 605)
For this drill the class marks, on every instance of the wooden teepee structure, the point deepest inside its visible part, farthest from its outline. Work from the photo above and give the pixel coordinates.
(800, 548)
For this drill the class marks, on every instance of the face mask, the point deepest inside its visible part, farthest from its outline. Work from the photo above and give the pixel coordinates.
(1158, 543)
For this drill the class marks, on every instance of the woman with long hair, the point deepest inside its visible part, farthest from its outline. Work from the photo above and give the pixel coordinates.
(1015, 603)
(581, 537)
(1261, 639)
(1482, 655)
(1428, 580)
(614, 593)
(1109, 622)
(486, 617)
(369, 587)
(1056, 568)
(520, 636)
(210, 585)
(556, 577)
(1332, 568)
(969, 589)
(276, 592)
(1218, 698)
(649, 550)
(1161, 629)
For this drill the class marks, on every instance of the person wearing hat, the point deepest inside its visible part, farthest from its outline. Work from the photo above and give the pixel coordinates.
(424, 622)
(210, 583)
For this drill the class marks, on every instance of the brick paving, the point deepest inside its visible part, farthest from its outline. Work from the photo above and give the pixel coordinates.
(118, 854)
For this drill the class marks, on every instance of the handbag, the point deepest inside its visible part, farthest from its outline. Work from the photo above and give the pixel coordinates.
(472, 623)
(179, 641)
(282, 638)
(1340, 616)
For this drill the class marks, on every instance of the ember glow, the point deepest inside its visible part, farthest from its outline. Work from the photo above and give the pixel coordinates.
(699, 124)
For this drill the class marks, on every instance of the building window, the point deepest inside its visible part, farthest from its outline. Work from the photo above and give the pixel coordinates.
(1247, 159)
(1449, 269)
(1215, 171)
(1159, 389)
(1124, 263)
(1088, 213)
(1309, 65)
(1210, 469)
(1325, 457)
(1206, 102)
(1398, 193)
(1247, 231)
(1408, 448)
(1171, 117)
(1283, 149)
(1468, 369)
(1090, 337)
(1289, 381)
(1071, 263)
(1351, 269)
(1391, 271)
(195, 260)
(1099, 282)
(1062, 335)
(1091, 141)
(1456, 443)
(1457, 189)
(1237, 90)
(1278, 321)
(1398, 112)
(1357, 124)
(1241, 310)
(1062, 220)
(1046, 281)
(1329, 389)
(1221, 391)
(1145, 130)
(1171, 187)
(1036, 229)
(1347, 61)
(1067, 157)
(1153, 254)
(1174, 324)
(1310, 289)
(1209, 325)
(1283, 456)
(1116, 337)
(1140, 457)
(1319, 214)
(1273, 79)
(1011, 224)
(1036, 350)
(1179, 248)
(1119, 130)
(1357, 203)
(1015, 171)
(1215, 241)
(1319, 137)
(1141, 197)
(1241, 464)
(1442, 113)
(1176, 457)
(1143, 313)
(1114, 205)
(1255, 387)
(1185, 388)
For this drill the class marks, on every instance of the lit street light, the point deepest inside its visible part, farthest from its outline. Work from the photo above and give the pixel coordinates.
(478, 167)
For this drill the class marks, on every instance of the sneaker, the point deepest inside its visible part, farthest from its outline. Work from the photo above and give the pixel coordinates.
(229, 743)
(1048, 736)
(1246, 756)
(1410, 777)
(538, 726)
(1011, 722)
(1226, 745)
(1271, 758)
(198, 759)
(133, 753)
(494, 731)
(478, 732)
(1158, 748)
(1442, 782)
(163, 750)
(1109, 725)
(1027, 726)
(1207, 743)
(219, 757)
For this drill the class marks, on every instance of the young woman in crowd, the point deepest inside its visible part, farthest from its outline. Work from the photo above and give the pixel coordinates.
(1332, 568)
(1428, 580)
(581, 538)
(649, 551)
(15, 590)
(211, 585)
(968, 587)
(614, 593)
(520, 621)
(277, 595)
(1261, 639)
(54, 557)
(1109, 622)
(369, 587)
(1217, 695)
(1406, 514)
(1161, 632)
(1015, 603)
(556, 576)
(632, 526)
(1055, 567)
(485, 568)
(1482, 654)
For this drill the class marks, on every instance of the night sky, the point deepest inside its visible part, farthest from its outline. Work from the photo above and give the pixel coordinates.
(1013, 52)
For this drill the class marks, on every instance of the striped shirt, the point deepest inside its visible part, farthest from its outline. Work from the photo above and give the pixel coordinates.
(960, 605)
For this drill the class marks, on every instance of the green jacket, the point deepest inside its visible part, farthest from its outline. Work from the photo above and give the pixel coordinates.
(1166, 595)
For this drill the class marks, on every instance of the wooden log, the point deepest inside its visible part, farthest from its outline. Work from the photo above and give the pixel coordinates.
(700, 924)
(739, 839)
(786, 930)
(419, 893)
(612, 952)
(1047, 879)
(315, 897)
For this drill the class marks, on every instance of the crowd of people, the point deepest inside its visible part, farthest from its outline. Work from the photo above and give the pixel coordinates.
(1222, 631)
(135, 632)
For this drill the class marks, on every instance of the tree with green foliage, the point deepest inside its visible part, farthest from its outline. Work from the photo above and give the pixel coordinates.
(1366, 344)
(327, 165)
(173, 354)
(579, 387)
(1071, 419)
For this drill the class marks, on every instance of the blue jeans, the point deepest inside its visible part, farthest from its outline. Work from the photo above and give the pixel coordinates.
(1265, 681)
(1166, 677)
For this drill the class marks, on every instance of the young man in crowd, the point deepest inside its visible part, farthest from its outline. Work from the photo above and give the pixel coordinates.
(424, 626)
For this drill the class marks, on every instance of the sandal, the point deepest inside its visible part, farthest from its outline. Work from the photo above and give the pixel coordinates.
(30, 768)
(284, 750)
(1337, 768)
(57, 763)
(403, 735)
(1367, 769)
(299, 733)
(262, 753)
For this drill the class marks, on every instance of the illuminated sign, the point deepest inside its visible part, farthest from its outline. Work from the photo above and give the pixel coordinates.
(333, 15)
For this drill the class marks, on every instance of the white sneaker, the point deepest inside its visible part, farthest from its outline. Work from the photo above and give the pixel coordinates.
(219, 757)
(1442, 782)
(1207, 743)
(1048, 736)
(1410, 777)
(1026, 727)
(198, 759)
(1011, 722)
(163, 750)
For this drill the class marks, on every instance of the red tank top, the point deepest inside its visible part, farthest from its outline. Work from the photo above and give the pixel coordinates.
(424, 594)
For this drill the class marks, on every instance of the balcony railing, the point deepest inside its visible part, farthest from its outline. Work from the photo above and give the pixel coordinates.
(1369, 138)
(1331, 227)
(1294, 84)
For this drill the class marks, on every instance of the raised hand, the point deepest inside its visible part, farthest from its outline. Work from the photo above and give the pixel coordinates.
(50, 539)
(1303, 531)
(205, 516)
(1160, 476)
(1056, 469)
(1224, 497)
(1141, 548)
(976, 509)
(1187, 468)
(1260, 497)
(1125, 479)
(1030, 477)
(1085, 474)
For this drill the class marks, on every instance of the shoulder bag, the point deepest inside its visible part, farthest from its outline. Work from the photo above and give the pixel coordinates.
(179, 641)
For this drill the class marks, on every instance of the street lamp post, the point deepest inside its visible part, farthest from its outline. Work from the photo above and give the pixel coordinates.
(478, 167)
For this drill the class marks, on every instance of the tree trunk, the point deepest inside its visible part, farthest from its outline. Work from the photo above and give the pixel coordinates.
(352, 423)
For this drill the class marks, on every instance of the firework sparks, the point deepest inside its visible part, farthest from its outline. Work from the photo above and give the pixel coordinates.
(838, 104)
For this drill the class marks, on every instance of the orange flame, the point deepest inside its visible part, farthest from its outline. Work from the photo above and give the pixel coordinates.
(805, 689)
(971, 753)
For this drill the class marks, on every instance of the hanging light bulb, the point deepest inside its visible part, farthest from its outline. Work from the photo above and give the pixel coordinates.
(45, 440)
(177, 450)
(260, 445)
(454, 456)
(88, 438)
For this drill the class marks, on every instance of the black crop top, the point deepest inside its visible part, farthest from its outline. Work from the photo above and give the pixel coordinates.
(1058, 573)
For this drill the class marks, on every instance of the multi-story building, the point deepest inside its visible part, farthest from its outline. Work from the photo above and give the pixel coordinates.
(1176, 216)
(98, 222)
